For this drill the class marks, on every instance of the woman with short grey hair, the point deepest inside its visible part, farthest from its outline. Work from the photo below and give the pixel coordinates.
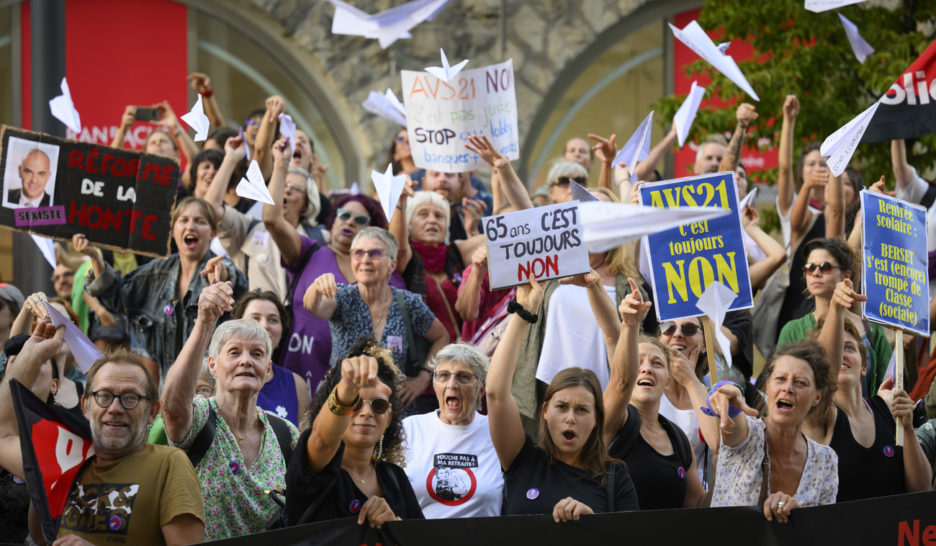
(450, 458)
(560, 178)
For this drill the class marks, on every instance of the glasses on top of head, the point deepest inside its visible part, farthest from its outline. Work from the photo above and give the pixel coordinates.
(462, 378)
(374, 253)
(824, 267)
(377, 405)
(688, 329)
(582, 180)
(128, 400)
(359, 219)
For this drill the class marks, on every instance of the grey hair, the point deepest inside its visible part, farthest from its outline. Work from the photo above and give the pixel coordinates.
(712, 139)
(462, 353)
(206, 372)
(247, 329)
(313, 201)
(421, 198)
(565, 168)
(381, 235)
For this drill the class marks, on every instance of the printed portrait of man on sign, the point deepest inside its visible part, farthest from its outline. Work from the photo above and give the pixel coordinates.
(29, 177)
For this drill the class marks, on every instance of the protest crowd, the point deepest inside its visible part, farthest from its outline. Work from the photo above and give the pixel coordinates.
(341, 354)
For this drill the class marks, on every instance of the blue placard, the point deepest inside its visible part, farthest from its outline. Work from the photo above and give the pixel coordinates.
(684, 261)
(896, 277)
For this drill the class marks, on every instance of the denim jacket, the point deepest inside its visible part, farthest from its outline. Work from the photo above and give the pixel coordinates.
(147, 296)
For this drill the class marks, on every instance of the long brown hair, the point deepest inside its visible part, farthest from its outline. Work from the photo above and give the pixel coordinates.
(594, 453)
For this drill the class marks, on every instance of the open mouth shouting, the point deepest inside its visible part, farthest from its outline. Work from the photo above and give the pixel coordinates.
(190, 241)
(569, 436)
(784, 405)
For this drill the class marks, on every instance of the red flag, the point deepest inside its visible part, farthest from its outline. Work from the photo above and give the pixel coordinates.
(55, 444)
(908, 109)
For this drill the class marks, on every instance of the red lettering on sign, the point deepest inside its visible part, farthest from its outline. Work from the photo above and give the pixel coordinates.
(75, 159)
(538, 268)
(103, 218)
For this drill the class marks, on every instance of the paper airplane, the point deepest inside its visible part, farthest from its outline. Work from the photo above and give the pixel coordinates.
(715, 303)
(580, 193)
(609, 225)
(698, 41)
(637, 148)
(748, 200)
(47, 247)
(687, 112)
(446, 72)
(355, 189)
(387, 106)
(82, 348)
(389, 189)
(825, 5)
(840, 145)
(253, 186)
(387, 26)
(723, 47)
(196, 119)
(246, 146)
(64, 109)
(287, 128)
(859, 45)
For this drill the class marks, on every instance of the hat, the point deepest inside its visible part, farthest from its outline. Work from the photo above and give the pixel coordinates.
(11, 293)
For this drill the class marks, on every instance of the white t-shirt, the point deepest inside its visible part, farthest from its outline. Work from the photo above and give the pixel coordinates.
(454, 470)
(914, 192)
(572, 336)
(687, 421)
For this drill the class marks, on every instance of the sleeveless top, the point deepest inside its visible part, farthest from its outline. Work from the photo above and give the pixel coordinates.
(279, 397)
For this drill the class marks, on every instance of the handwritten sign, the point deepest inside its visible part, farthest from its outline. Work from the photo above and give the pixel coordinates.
(120, 199)
(685, 260)
(896, 277)
(441, 116)
(545, 243)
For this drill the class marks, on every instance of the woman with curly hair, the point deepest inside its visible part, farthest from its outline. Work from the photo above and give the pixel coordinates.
(346, 465)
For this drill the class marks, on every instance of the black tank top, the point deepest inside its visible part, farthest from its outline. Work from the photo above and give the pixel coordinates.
(875, 471)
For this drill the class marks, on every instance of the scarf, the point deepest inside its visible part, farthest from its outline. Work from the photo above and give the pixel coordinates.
(433, 257)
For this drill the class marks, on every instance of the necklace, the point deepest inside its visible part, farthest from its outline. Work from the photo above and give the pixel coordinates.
(355, 478)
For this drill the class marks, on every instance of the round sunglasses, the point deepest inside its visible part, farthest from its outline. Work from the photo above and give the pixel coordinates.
(360, 219)
(377, 405)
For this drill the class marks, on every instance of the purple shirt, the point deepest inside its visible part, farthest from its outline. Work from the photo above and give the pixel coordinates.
(308, 350)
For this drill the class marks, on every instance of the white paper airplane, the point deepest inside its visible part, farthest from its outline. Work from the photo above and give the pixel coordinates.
(387, 106)
(825, 5)
(687, 112)
(196, 119)
(253, 186)
(859, 45)
(581, 193)
(723, 47)
(446, 72)
(64, 109)
(82, 348)
(355, 189)
(47, 247)
(609, 225)
(749, 200)
(698, 41)
(840, 145)
(387, 26)
(389, 189)
(287, 128)
(637, 148)
(715, 303)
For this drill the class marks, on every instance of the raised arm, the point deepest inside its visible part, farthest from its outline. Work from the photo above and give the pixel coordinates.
(233, 153)
(170, 122)
(625, 363)
(275, 106)
(503, 412)
(498, 199)
(201, 83)
(903, 172)
(800, 214)
(126, 121)
(469, 293)
(835, 207)
(785, 173)
(734, 430)
(776, 254)
(510, 183)
(832, 335)
(602, 307)
(645, 168)
(605, 150)
(682, 368)
(285, 236)
(399, 228)
(319, 298)
(181, 379)
(918, 474)
(746, 114)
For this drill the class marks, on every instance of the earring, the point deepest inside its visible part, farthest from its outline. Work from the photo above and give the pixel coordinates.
(378, 452)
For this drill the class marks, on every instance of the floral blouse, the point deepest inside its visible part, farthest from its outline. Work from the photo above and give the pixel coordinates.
(739, 478)
(235, 499)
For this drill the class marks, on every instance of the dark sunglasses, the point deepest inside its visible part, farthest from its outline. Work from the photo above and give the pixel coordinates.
(377, 405)
(582, 180)
(400, 138)
(688, 329)
(359, 219)
(375, 253)
(824, 267)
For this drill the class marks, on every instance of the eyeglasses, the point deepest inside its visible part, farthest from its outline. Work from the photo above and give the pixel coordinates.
(128, 400)
(289, 190)
(566, 179)
(824, 267)
(400, 138)
(205, 391)
(359, 219)
(688, 329)
(374, 253)
(377, 405)
(462, 378)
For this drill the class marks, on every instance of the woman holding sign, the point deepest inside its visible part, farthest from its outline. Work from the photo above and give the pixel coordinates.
(862, 430)
(568, 472)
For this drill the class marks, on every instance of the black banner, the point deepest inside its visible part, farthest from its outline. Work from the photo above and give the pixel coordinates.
(120, 199)
(908, 109)
(905, 520)
(54, 445)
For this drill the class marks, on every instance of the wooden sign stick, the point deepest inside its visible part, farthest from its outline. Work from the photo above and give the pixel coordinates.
(899, 377)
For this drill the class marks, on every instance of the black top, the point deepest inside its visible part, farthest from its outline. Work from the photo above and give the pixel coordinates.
(796, 301)
(741, 324)
(866, 472)
(334, 490)
(660, 480)
(533, 485)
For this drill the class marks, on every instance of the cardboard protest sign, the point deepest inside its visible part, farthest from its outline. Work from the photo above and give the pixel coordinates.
(895, 277)
(545, 242)
(440, 116)
(120, 199)
(685, 260)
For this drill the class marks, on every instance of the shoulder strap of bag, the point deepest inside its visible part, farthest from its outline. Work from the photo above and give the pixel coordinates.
(410, 340)
(283, 437)
(929, 197)
(609, 489)
(680, 443)
(204, 438)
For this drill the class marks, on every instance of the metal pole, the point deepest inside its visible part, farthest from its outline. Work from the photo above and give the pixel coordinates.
(31, 272)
